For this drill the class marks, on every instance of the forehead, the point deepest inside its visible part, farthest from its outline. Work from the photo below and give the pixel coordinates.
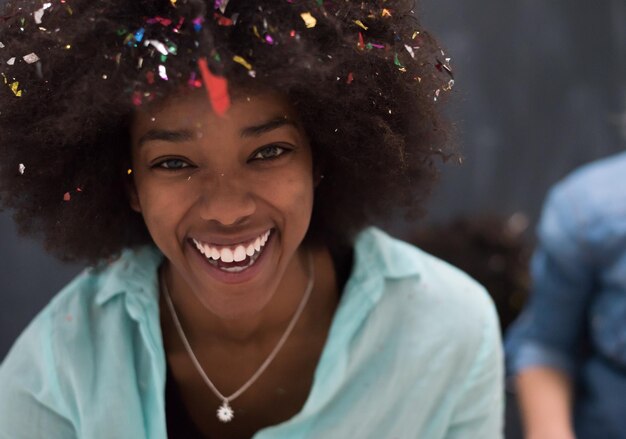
(192, 110)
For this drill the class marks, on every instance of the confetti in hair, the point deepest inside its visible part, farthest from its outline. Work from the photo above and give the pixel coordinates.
(30, 58)
(309, 20)
(216, 87)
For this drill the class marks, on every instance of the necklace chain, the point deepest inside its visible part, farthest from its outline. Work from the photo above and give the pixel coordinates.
(225, 413)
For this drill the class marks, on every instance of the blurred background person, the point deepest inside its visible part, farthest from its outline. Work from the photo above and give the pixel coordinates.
(567, 351)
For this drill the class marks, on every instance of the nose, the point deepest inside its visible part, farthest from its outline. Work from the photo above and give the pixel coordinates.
(227, 199)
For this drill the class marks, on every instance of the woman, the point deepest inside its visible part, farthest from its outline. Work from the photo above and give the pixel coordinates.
(219, 166)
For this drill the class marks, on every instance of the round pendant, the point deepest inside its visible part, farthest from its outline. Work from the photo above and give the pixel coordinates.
(225, 413)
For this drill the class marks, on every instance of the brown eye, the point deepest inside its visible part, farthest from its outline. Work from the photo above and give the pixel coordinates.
(172, 164)
(269, 152)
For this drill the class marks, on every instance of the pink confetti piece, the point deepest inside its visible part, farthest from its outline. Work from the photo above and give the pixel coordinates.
(163, 21)
(67, 196)
(179, 25)
(193, 81)
(30, 58)
(361, 44)
(222, 20)
(216, 87)
(137, 99)
(163, 72)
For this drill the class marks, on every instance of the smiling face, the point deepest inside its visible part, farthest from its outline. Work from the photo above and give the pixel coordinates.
(228, 200)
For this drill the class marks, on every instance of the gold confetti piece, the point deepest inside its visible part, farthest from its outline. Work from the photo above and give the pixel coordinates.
(239, 60)
(130, 171)
(309, 20)
(173, 2)
(360, 24)
(416, 33)
(386, 13)
(15, 89)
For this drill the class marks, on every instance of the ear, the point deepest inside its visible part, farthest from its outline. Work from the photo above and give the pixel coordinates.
(133, 196)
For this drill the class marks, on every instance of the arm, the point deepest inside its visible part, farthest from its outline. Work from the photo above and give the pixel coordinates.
(545, 398)
(479, 410)
(543, 346)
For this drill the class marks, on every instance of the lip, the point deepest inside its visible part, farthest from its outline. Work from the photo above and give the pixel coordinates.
(226, 241)
(233, 278)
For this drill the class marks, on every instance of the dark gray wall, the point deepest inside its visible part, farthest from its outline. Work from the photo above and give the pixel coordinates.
(540, 89)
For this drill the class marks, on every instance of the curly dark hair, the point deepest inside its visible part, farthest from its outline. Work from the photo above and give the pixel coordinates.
(492, 249)
(362, 75)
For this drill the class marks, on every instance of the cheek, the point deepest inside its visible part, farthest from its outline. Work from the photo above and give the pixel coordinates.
(292, 195)
(162, 207)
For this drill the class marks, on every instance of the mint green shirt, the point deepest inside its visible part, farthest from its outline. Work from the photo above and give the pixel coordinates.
(413, 352)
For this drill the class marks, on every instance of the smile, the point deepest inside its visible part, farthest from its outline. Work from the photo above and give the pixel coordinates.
(235, 258)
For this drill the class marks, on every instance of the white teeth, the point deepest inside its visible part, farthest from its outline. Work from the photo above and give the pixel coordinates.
(226, 255)
(240, 253)
(250, 250)
(237, 254)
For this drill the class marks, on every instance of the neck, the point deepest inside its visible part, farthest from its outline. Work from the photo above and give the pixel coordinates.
(203, 326)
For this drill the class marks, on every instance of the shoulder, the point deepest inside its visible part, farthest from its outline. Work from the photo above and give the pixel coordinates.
(90, 298)
(64, 341)
(586, 211)
(595, 191)
(436, 326)
(430, 297)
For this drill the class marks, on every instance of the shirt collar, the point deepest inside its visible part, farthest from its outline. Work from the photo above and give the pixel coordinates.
(376, 254)
(135, 270)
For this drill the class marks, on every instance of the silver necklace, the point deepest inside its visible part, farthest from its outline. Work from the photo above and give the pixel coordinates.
(225, 412)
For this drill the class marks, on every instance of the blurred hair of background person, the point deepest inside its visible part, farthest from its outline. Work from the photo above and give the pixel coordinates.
(490, 248)
(567, 351)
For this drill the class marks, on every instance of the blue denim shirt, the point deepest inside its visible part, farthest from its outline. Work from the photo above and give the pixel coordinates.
(414, 351)
(575, 320)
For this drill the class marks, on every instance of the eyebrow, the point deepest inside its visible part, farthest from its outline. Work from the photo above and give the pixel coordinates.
(270, 125)
(185, 135)
(177, 136)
